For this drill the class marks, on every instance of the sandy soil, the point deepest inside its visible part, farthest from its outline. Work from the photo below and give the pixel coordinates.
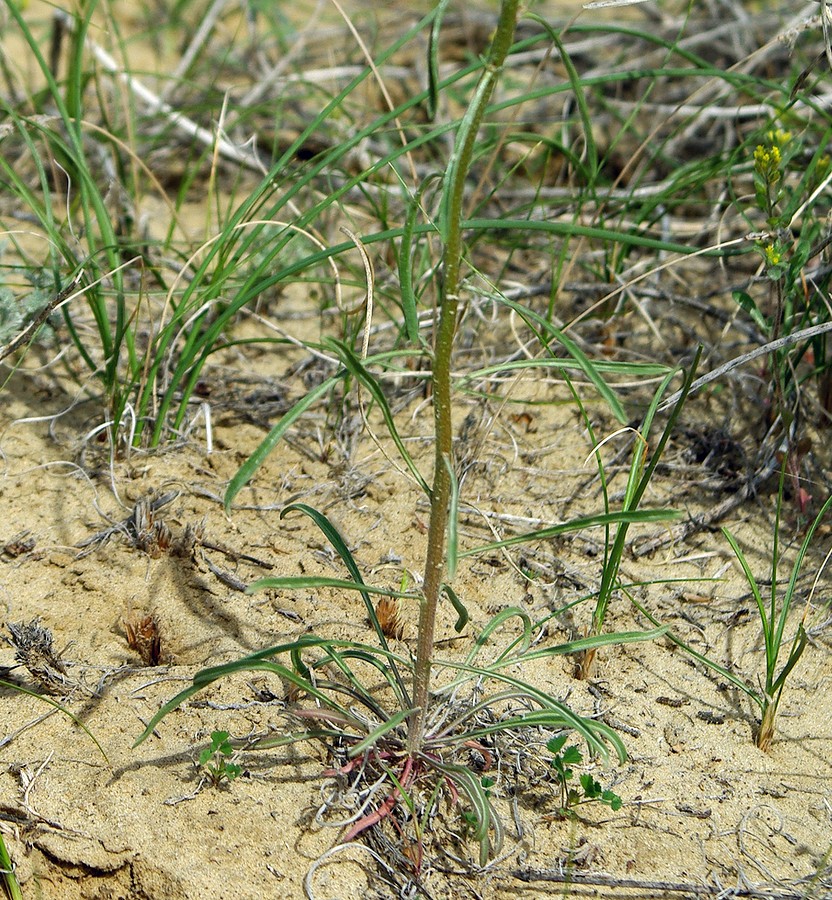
(702, 806)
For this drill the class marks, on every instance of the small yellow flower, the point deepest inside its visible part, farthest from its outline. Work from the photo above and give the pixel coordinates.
(767, 163)
(772, 254)
(779, 137)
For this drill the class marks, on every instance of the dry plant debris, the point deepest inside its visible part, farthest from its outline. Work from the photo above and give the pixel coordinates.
(19, 545)
(145, 530)
(35, 651)
(144, 637)
(387, 611)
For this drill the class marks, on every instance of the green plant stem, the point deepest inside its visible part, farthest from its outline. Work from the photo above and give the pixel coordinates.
(453, 195)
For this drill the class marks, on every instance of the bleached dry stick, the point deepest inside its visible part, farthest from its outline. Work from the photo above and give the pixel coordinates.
(155, 104)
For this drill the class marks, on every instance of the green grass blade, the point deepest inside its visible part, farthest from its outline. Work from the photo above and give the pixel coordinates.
(613, 367)
(797, 567)
(10, 882)
(295, 737)
(571, 230)
(545, 330)
(536, 718)
(253, 463)
(433, 58)
(301, 582)
(357, 369)
(752, 583)
(636, 487)
(496, 622)
(798, 646)
(510, 656)
(593, 642)
(205, 677)
(452, 539)
(596, 734)
(637, 516)
(339, 545)
(298, 582)
(60, 707)
(580, 97)
(716, 667)
(405, 267)
(484, 817)
(382, 664)
(385, 728)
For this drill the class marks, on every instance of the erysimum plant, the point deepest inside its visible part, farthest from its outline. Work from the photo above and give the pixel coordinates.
(791, 174)
(405, 737)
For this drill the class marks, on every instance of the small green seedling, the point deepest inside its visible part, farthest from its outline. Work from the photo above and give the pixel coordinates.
(587, 790)
(214, 759)
(775, 612)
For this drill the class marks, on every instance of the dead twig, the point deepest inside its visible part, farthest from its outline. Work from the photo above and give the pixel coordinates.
(648, 889)
(30, 330)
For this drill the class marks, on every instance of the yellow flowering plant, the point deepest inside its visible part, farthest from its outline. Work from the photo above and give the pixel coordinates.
(789, 173)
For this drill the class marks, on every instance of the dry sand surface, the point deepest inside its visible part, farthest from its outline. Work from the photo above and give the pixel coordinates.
(702, 806)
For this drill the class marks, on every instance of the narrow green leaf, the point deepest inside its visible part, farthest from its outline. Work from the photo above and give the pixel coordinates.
(745, 302)
(798, 563)
(598, 640)
(255, 662)
(253, 463)
(356, 368)
(613, 367)
(602, 519)
(60, 707)
(726, 673)
(10, 881)
(553, 713)
(458, 605)
(301, 582)
(546, 330)
(752, 583)
(295, 737)
(405, 267)
(589, 128)
(452, 541)
(377, 733)
(304, 582)
(798, 646)
(496, 622)
(467, 781)
(433, 58)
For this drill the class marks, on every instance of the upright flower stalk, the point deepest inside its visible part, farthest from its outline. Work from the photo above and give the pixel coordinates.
(451, 229)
